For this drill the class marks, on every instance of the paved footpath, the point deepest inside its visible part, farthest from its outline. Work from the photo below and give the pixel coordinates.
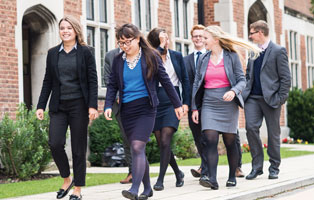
(294, 172)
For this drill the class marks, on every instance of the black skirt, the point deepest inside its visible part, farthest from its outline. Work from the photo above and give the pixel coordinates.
(166, 117)
(138, 118)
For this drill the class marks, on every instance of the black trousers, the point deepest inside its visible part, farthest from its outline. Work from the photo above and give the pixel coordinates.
(238, 144)
(199, 142)
(73, 113)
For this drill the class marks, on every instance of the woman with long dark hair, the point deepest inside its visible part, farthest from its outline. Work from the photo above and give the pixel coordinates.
(166, 123)
(71, 79)
(135, 73)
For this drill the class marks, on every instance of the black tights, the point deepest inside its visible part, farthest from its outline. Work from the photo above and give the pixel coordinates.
(140, 167)
(164, 138)
(212, 138)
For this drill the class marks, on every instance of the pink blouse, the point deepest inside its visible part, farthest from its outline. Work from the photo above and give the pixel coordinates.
(215, 76)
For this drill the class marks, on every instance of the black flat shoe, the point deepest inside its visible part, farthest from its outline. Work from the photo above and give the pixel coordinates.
(180, 181)
(205, 182)
(145, 196)
(158, 187)
(129, 195)
(231, 183)
(75, 197)
(273, 175)
(62, 193)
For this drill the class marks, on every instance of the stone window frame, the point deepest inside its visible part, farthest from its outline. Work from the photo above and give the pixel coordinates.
(310, 60)
(182, 9)
(294, 58)
(144, 14)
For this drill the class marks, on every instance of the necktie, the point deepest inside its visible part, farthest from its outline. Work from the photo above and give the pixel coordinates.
(197, 57)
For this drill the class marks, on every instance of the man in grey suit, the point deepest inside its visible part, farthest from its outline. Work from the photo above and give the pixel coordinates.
(190, 62)
(107, 70)
(268, 83)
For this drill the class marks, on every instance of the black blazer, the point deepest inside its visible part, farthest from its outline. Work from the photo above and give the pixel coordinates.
(87, 76)
(116, 83)
(190, 68)
(180, 69)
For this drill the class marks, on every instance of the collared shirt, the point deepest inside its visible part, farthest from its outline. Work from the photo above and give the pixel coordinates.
(62, 47)
(195, 54)
(265, 45)
(170, 71)
(132, 64)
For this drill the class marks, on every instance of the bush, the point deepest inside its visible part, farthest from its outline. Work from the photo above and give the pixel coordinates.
(24, 149)
(152, 150)
(301, 114)
(102, 134)
(183, 145)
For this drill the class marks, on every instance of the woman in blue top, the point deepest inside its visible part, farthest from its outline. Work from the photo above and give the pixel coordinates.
(166, 123)
(135, 73)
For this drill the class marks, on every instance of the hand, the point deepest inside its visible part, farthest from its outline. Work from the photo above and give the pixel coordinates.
(228, 96)
(93, 113)
(179, 112)
(107, 114)
(40, 114)
(195, 116)
(185, 109)
(118, 100)
(163, 38)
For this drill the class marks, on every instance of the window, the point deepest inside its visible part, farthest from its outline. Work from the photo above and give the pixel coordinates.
(310, 61)
(294, 58)
(97, 32)
(181, 22)
(143, 12)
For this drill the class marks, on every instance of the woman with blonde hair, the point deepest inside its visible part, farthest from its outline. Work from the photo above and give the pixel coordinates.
(217, 88)
(71, 80)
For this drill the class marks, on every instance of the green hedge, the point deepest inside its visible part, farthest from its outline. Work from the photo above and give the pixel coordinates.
(301, 114)
(24, 149)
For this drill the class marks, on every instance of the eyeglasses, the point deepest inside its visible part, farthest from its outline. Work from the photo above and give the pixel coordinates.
(252, 33)
(126, 43)
(197, 36)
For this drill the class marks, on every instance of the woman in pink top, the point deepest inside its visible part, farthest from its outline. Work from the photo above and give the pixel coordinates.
(217, 88)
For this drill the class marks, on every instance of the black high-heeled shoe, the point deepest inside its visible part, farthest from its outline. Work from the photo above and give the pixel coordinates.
(75, 197)
(158, 187)
(62, 193)
(129, 195)
(205, 182)
(145, 196)
(180, 181)
(231, 183)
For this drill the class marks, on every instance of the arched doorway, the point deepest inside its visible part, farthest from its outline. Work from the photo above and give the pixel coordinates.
(256, 12)
(38, 25)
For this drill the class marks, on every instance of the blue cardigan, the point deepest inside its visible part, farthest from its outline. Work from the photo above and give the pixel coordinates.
(116, 83)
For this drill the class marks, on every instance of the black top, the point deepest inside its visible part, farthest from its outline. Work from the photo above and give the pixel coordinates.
(69, 81)
(257, 87)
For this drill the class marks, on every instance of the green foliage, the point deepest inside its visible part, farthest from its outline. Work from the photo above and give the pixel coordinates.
(24, 149)
(301, 114)
(152, 150)
(102, 134)
(312, 7)
(183, 144)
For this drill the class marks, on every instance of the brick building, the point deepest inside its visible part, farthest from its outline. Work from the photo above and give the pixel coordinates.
(29, 28)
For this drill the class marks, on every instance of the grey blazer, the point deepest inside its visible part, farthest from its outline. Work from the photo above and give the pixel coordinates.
(275, 76)
(234, 73)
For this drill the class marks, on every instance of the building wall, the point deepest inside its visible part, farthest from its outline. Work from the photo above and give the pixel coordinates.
(9, 89)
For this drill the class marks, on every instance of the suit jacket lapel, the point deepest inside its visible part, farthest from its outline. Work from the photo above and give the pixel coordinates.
(55, 58)
(79, 58)
(192, 63)
(120, 66)
(203, 68)
(227, 64)
(268, 50)
(175, 64)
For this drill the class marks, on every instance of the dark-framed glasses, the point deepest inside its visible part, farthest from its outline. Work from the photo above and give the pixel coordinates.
(126, 42)
(252, 33)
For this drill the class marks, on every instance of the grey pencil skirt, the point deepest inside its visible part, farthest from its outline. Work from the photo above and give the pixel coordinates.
(217, 114)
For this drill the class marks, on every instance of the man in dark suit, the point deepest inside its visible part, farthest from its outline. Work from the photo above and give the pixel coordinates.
(268, 82)
(107, 70)
(190, 62)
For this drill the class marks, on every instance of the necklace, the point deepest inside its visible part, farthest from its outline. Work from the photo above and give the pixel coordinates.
(132, 64)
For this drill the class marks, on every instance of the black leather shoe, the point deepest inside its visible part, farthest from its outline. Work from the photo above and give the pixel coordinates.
(62, 193)
(205, 182)
(253, 174)
(230, 183)
(195, 173)
(145, 196)
(273, 175)
(129, 195)
(180, 180)
(74, 197)
(158, 187)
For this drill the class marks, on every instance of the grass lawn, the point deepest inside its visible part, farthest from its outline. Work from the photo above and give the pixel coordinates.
(53, 184)
(246, 157)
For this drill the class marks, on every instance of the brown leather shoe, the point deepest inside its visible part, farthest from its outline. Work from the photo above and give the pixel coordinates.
(196, 173)
(239, 172)
(127, 180)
